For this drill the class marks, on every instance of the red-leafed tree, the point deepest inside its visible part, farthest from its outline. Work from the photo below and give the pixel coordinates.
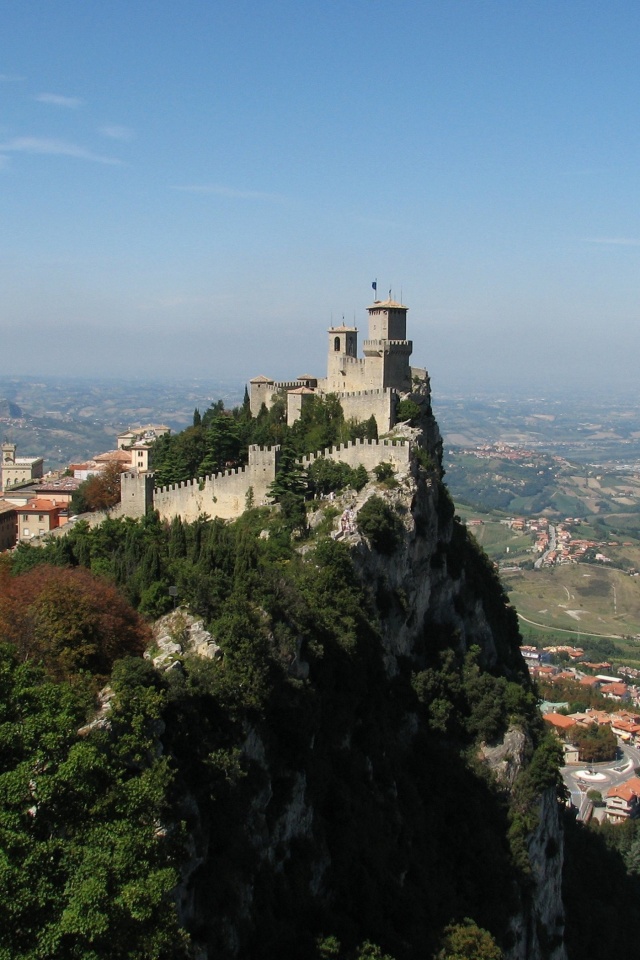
(69, 620)
(100, 491)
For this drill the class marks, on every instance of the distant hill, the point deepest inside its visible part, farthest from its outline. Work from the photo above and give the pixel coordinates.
(9, 410)
(523, 482)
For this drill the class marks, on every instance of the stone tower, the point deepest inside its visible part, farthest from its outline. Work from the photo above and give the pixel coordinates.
(342, 355)
(387, 351)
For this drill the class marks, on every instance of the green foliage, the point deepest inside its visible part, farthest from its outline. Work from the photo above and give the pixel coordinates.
(85, 871)
(326, 476)
(408, 410)
(424, 458)
(595, 743)
(298, 714)
(384, 473)
(381, 525)
(463, 700)
(467, 941)
(542, 773)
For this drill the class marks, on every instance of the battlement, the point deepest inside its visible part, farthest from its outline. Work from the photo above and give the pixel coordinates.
(288, 384)
(366, 453)
(200, 482)
(333, 452)
(388, 346)
(374, 392)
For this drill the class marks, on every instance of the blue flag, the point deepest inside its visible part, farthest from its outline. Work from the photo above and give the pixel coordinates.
(374, 285)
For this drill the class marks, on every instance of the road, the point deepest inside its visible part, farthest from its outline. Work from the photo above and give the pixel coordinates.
(550, 548)
(574, 631)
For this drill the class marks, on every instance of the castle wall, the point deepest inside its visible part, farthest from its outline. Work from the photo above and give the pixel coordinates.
(369, 453)
(397, 371)
(260, 393)
(360, 405)
(136, 495)
(222, 494)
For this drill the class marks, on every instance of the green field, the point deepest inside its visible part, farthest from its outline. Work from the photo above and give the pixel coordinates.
(579, 598)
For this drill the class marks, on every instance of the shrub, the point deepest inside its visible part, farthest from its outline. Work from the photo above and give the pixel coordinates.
(380, 525)
(407, 410)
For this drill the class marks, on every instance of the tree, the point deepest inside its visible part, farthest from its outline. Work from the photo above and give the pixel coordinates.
(87, 870)
(100, 491)
(70, 621)
(595, 743)
(468, 941)
(380, 525)
(407, 410)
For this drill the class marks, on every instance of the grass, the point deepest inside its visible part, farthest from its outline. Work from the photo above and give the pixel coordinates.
(580, 598)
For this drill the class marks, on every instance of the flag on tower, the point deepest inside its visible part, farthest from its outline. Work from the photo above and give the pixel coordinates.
(374, 285)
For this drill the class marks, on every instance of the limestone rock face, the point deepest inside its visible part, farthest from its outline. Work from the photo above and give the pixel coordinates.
(539, 927)
(179, 633)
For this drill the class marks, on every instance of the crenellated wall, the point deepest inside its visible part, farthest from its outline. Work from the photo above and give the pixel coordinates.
(369, 453)
(361, 404)
(222, 495)
(227, 494)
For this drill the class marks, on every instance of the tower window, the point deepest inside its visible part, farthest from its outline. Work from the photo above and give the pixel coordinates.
(336, 344)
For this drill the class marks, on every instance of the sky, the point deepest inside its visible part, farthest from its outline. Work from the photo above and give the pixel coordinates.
(203, 188)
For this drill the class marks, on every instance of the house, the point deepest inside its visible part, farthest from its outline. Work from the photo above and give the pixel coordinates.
(571, 754)
(8, 525)
(615, 691)
(546, 706)
(621, 801)
(82, 471)
(61, 490)
(628, 730)
(533, 655)
(38, 517)
(15, 470)
(559, 722)
(147, 434)
(592, 682)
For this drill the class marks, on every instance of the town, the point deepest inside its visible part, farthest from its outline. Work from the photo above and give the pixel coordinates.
(600, 742)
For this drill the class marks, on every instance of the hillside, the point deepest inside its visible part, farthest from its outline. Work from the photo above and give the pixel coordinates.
(331, 750)
(520, 481)
(348, 668)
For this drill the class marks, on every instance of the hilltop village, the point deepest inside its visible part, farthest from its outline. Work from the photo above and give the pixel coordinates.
(367, 387)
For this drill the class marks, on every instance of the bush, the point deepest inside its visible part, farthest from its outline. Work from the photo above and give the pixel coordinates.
(384, 474)
(380, 525)
(407, 410)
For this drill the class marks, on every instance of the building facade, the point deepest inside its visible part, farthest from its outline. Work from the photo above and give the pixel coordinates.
(15, 470)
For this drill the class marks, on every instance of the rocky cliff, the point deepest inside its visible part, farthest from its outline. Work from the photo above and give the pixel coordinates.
(385, 773)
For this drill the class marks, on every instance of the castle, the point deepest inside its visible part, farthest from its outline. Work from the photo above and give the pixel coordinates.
(367, 386)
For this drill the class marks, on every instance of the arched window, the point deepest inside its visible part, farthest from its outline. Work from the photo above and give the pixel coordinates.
(336, 344)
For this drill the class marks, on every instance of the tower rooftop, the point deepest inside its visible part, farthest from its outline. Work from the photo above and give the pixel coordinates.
(387, 303)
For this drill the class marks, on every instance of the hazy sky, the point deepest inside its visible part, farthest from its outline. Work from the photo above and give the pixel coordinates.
(203, 187)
